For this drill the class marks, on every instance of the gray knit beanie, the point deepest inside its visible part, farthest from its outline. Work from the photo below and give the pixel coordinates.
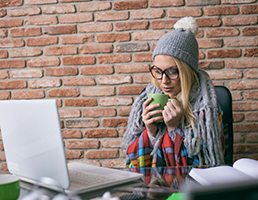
(181, 43)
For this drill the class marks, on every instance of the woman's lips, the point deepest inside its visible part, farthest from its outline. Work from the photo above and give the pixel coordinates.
(167, 89)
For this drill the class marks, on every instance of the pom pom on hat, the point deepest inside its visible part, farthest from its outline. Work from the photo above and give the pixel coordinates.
(180, 43)
(187, 23)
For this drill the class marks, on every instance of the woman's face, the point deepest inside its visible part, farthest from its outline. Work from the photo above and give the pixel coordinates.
(167, 85)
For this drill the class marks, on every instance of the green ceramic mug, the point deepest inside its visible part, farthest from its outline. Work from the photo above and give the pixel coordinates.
(161, 99)
(9, 187)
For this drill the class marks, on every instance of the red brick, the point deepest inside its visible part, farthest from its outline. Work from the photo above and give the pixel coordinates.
(221, 10)
(9, 64)
(117, 58)
(112, 16)
(42, 20)
(251, 52)
(249, 9)
(147, 14)
(99, 112)
(94, 70)
(142, 57)
(4, 74)
(202, 3)
(98, 91)
(114, 122)
(147, 35)
(130, 90)
(243, 85)
(222, 32)
(132, 68)
(3, 33)
(114, 80)
(68, 1)
(100, 27)
(251, 73)
(33, 2)
(78, 60)
(245, 106)
(28, 94)
(162, 24)
(208, 65)
(3, 54)
(251, 95)
(111, 143)
(112, 37)
(72, 133)
(245, 148)
(10, 3)
(27, 73)
(78, 81)
(25, 32)
(131, 47)
(7, 23)
(12, 84)
(42, 41)
(58, 9)
(129, 5)
(69, 92)
(24, 12)
(61, 71)
(237, 1)
(6, 43)
(28, 52)
(251, 116)
(96, 48)
(236, 42)
(223, 53)
(238, 117)
(3, 12)
(81, 123)
(247, 31)
(242, 63)
(69, 113)
(60, 50)
(100, 133)
(209, 22)
(74, 154)
(82, 144)
(44, 62)
(124, 111)
(223, 74)
(252, 137)
(94, 6)
(142, 78)
(77, 39)
(5, 95)
(59, 30)
(201, 55)
(115, 101)
(44, 83)
(102, 154)
(117, 163)
(184, 12)
(237, 96)
(165, 3)
(239, 20)
(2, 156)
(76, 18)
(207, 44)
(80, 102)
(124, 26)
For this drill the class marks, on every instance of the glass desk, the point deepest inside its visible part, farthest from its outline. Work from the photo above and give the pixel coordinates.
(156, 183)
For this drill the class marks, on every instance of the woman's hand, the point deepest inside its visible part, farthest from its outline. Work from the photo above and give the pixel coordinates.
(147, 114)
(172, 114)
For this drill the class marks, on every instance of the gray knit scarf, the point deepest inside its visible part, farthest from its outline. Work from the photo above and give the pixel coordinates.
(207, 133)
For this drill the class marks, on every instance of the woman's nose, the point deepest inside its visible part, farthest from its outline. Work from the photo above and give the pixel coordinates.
(165, 79)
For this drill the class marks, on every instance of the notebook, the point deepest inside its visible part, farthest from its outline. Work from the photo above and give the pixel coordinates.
(34, 149)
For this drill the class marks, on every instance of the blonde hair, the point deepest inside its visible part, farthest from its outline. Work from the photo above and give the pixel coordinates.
(188, 80)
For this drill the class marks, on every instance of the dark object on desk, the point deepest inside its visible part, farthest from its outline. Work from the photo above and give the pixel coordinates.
(225, 101)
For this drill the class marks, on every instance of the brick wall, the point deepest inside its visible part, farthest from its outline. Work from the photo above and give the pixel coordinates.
(93, 57)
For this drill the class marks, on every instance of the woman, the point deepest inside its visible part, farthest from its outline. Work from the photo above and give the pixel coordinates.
(191, 133)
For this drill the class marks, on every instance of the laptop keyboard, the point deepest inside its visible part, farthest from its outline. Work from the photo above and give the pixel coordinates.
(84, 179)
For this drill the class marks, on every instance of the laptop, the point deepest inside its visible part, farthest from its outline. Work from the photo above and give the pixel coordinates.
(34, 150)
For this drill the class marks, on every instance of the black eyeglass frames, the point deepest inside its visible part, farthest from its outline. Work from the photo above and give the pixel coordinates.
(172, 73)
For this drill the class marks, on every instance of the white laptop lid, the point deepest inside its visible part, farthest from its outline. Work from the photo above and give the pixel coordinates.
(33, 124)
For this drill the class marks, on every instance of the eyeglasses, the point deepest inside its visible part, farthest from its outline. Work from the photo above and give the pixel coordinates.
(172, 73)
